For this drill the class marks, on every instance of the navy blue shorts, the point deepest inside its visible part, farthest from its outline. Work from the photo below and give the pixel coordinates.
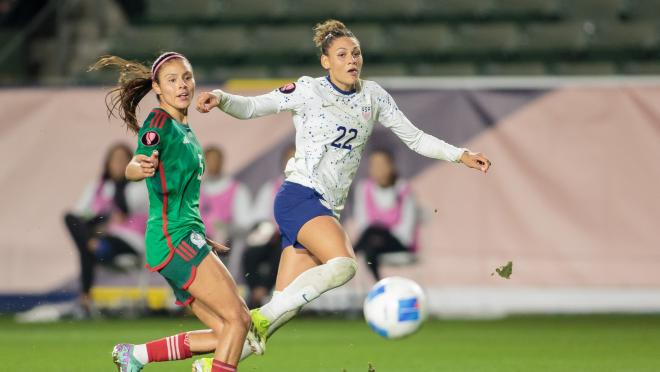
(296, 204)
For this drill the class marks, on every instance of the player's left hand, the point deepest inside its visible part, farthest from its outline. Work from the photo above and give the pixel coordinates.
(476, 161)
(217, 246)
(206, 101)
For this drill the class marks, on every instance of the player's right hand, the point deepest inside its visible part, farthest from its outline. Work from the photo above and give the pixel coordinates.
(207, 101)
(148, 164)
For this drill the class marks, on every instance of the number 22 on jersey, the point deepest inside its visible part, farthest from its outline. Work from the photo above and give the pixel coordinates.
(352, 133)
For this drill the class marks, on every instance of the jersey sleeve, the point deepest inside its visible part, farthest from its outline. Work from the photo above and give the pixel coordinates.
(153, 133)
(417, 140)
(288, 97)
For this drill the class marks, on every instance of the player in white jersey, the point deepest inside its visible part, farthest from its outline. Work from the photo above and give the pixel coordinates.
(334, 117)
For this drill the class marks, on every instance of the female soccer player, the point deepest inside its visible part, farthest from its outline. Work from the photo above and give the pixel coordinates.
(334, 116)
(170, 158)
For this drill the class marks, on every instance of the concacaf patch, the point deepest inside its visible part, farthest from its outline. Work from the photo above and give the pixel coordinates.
(288, 88)
(150, 138)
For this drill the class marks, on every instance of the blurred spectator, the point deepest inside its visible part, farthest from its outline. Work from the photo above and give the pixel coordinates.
(224, 204)
(262, 256)
(108, 223)
(385, 214)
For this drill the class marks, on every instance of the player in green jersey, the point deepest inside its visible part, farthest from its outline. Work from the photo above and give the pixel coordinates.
(171, 161)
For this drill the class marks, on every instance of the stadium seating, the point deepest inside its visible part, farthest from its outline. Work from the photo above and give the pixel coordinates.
(282, 41)
(486, 39)
(11, 66)
(434, 37)
(445, 37)
(585, 68)
(145, 41)
(314, 12)
(525, 9)
(593, 9)
(556, 38)
(625, 37)
(222, 43)
(176, 11)
(642, 9)
(423, 40)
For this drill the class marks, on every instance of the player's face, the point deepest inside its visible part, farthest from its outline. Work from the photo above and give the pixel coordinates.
(381, 169)
(343, 62)
(176, 84)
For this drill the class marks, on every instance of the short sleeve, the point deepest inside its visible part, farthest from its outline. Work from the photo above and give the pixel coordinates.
(151, 135)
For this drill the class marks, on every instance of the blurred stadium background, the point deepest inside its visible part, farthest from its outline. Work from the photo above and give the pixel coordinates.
(563, 96)
(53, 41)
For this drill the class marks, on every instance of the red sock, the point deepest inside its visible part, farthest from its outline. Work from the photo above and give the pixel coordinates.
(169, 348)
(219, 366)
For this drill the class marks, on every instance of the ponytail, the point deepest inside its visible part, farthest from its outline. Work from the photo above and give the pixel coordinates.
(134, 83)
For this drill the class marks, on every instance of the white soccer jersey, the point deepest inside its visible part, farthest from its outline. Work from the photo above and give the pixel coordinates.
(332, 129)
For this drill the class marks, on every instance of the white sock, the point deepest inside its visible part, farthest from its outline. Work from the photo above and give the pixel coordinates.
(140, 353)
(309, 285)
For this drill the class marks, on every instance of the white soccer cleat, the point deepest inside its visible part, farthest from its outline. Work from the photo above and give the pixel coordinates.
(202, 365)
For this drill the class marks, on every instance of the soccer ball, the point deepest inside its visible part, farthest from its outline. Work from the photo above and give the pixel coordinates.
(395, 307)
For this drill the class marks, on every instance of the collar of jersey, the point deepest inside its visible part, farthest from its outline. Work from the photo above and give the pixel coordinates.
(185, 126)
(344, 92)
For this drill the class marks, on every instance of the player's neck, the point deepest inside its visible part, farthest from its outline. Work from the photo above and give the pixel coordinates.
(341, 87)
(179, 115)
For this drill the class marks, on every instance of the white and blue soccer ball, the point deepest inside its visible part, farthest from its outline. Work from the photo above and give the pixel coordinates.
(395, 307)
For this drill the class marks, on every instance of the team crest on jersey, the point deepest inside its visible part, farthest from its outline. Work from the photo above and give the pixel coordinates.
(286, 89)
(150, 138)
(366, 112)
(197, 239)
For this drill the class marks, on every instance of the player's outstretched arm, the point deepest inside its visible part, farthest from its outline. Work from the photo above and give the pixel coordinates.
(240, 107)
(142, 166)
(475, 161)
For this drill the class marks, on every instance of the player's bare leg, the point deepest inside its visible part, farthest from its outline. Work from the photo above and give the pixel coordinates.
(304, 276)
(293, 262)
(222, 310)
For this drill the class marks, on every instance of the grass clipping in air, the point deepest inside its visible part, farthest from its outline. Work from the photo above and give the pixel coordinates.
(505, 271)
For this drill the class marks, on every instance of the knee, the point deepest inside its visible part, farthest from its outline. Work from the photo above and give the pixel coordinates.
(343, 268)
(239, 317)
(243, 318)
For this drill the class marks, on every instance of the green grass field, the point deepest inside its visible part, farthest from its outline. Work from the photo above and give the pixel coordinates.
(557, 343)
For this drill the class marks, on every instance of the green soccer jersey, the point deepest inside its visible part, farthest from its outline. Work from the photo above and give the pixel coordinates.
(174, 189)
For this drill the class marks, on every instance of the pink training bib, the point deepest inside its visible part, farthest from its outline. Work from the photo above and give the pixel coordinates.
(390, 217)
(218, 207)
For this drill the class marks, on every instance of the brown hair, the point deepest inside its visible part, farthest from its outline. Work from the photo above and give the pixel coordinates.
(135, 81)
(326, 32)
